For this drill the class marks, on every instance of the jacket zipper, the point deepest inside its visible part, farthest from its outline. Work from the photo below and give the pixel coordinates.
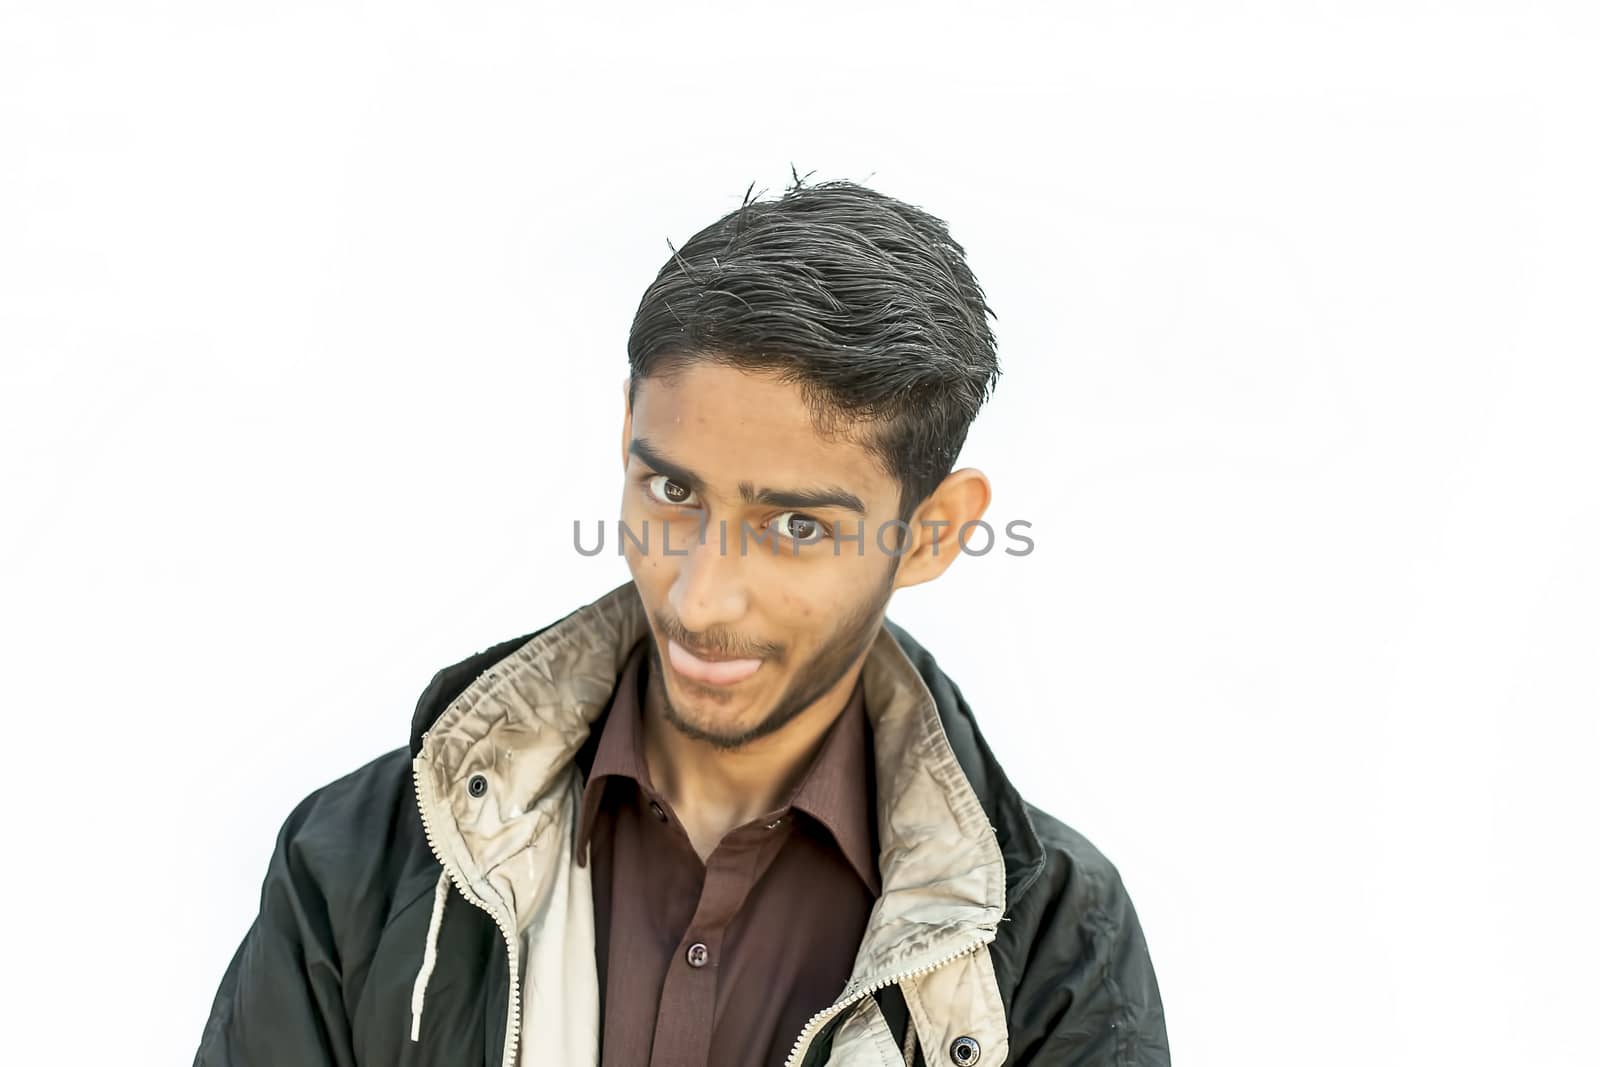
(514, 1008)
(806, 1036)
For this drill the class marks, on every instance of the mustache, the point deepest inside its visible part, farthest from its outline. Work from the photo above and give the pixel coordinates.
(715, 644)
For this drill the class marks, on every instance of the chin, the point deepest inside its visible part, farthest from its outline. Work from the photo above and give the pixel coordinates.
(724, 717)
(712, 713)
(719, 733)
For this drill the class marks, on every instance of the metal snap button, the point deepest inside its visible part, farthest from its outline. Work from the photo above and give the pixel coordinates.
(655, 809)
(698, 955)
(477, 785)
(964, 1051)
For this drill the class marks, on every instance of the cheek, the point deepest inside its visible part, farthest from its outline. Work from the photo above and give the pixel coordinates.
(653, 573)
(651, 570)
(632, 524)
(802, 614)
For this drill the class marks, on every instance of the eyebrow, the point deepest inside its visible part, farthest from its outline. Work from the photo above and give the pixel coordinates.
(822, 497)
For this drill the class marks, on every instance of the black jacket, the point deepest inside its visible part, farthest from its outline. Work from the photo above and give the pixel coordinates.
(328, 971)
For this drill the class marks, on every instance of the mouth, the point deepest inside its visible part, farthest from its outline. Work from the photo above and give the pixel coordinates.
(708, 670)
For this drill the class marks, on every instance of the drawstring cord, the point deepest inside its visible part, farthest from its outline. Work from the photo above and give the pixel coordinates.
(430, 953)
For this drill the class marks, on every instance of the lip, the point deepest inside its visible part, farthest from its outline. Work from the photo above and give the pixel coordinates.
(709, 671)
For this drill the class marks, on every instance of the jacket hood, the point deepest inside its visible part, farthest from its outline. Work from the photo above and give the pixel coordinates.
(1006, 810)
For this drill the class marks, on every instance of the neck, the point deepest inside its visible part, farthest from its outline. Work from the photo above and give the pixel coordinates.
(712, 789)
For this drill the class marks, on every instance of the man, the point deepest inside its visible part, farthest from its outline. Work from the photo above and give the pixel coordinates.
(726, 814)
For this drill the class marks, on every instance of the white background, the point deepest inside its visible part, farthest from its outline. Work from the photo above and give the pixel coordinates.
(313, 319)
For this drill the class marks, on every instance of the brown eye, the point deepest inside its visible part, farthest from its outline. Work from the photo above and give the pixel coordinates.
(668, 491)
(802, 528)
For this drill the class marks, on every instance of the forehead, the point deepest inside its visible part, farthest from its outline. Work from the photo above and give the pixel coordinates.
(731, 426)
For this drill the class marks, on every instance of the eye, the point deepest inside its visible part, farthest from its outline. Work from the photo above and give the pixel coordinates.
(800, 527)
(667, 491)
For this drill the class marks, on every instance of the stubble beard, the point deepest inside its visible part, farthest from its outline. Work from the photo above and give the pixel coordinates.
(810, 682)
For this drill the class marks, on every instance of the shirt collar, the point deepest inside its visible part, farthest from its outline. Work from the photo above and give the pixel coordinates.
(837, 789)
(617, 753)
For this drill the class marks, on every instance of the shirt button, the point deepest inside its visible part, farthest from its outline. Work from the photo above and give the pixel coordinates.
(698, 955)
(655, 809)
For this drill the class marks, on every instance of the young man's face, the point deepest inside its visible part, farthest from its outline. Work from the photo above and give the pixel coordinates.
(748, 636)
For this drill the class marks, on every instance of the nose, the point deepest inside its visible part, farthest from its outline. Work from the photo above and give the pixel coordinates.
(709, 589)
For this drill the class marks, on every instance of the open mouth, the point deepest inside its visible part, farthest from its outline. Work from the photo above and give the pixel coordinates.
(709, 671)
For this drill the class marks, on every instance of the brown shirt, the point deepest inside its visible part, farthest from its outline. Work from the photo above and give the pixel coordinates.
(723, 962)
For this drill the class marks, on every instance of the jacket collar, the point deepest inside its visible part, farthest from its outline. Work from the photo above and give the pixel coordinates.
(956, 843)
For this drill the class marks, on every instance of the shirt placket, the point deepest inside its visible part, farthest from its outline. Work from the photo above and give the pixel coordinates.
(686, 1015)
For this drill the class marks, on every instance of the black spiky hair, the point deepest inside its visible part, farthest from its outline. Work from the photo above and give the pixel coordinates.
(864, 301)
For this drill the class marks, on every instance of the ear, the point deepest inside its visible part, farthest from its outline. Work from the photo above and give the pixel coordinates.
(627, 423)
(932, 545)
